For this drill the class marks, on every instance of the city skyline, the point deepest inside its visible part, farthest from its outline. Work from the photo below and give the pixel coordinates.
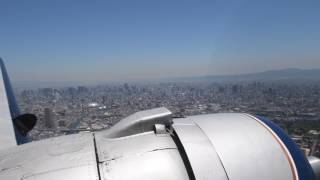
(125, 40)
(75, 109)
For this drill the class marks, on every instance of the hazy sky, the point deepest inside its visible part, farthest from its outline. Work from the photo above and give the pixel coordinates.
(103, 40)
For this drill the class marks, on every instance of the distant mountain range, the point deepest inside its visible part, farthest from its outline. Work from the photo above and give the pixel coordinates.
(284, 75)
(292, 74)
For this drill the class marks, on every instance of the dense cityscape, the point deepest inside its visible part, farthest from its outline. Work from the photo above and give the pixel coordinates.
(295, 107)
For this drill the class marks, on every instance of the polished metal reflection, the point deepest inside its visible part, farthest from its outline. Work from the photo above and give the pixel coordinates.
(315, 164)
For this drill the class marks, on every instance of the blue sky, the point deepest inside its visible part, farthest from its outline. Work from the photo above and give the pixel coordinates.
(104, 40)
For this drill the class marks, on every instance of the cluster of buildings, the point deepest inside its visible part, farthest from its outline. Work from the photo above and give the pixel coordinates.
(295, 107)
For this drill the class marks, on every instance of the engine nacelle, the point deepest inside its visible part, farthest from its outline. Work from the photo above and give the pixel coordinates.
(219, 146)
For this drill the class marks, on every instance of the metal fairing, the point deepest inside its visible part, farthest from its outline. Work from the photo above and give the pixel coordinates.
(140, 122)
(137, 157)
(133, 146)
(302, 164)
(247, 151)
(202, 156)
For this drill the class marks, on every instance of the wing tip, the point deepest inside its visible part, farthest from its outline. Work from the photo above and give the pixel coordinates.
(1, 63)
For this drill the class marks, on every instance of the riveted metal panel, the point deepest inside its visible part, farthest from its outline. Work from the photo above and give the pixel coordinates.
(113, 148)
(163, 164)
(142, 156)
(67, 157)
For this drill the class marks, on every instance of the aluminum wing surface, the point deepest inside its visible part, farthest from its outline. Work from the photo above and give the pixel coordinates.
(148, 154)
(69, 157)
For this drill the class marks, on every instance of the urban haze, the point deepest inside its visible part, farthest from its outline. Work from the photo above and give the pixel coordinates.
(293, 105)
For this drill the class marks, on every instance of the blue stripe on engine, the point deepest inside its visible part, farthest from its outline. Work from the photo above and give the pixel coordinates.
(304, 169)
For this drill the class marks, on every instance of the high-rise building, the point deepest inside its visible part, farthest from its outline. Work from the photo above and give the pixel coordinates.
(48, 118)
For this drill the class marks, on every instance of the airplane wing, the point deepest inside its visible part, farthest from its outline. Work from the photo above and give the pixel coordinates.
(139, 154)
